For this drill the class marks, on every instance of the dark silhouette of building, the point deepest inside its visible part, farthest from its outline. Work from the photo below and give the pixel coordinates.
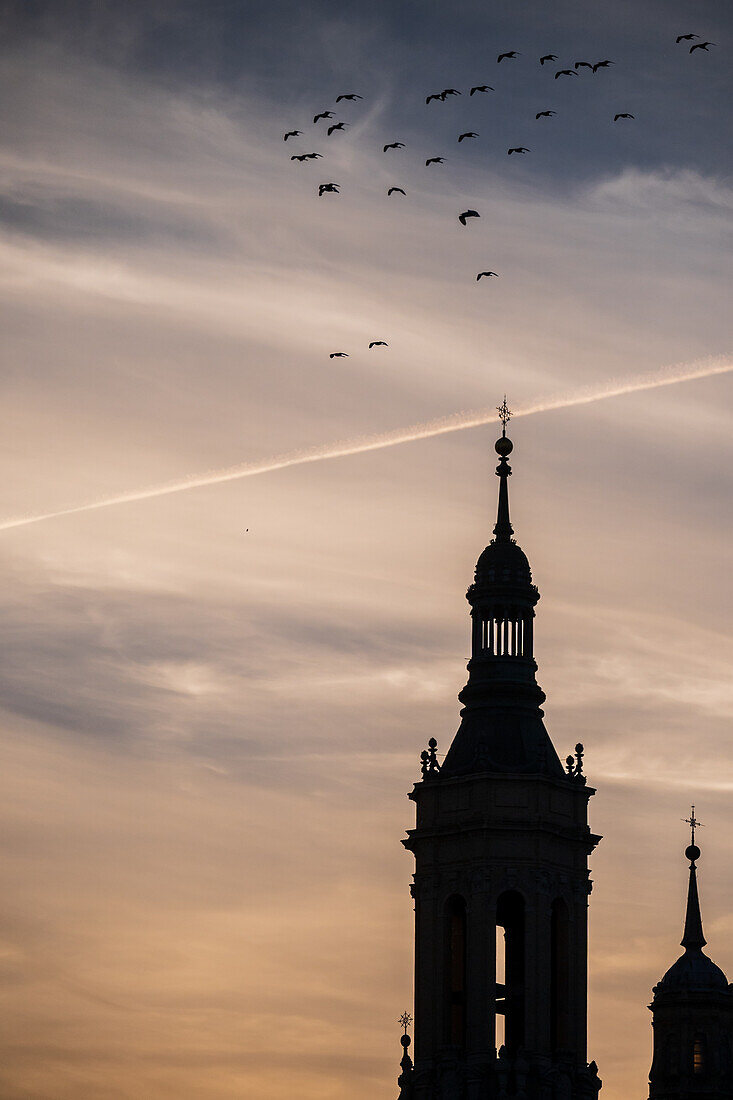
(692, 1016)
(501, 845)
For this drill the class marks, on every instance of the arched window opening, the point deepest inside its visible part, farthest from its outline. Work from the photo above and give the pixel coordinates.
(528, 636)
(699, 1055)
(499, 1029)
(511, 964)
(503, 635)
(456, 972)
(560, 976)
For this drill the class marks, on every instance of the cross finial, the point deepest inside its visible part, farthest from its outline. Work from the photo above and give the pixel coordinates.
(405, 1020)
(505, 415)
(693, 822)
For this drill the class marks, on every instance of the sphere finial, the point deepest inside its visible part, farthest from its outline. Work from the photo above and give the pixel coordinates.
(504, 446)
(692, 852)
(505, 415)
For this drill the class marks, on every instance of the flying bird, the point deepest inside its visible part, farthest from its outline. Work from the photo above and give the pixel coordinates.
(481, 88)
(323, 114)
(602, 65)
(307, 156)
(436, 95)
(379, 344)
(518, 149)
(511, 54)
(701, 46)
(292, 133)
(450, 91)
(339, 355)
(434, 160)
(393, 145)
(351, 97)
(468, 214)
(336, 126)
(685, 38)
(548, 57)
(398, 189)
(583, 65)
(468, 134)
(331, 188)
(565, 72)
(485, 274)
(623, 114)
(545, 114)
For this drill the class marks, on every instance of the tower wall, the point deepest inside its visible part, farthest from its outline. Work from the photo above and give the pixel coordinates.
(693, 1047)
(484, 839)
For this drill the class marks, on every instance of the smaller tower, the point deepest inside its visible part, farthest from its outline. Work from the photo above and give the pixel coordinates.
(692, 1015)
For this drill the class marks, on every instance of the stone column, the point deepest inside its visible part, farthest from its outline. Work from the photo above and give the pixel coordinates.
(538, 977)
(429, 994)
(480, 1004)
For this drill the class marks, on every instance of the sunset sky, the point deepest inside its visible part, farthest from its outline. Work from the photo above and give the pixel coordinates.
(213, 701)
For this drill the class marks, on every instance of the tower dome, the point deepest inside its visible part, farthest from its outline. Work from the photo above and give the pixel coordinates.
(692, 971)
(503, 563)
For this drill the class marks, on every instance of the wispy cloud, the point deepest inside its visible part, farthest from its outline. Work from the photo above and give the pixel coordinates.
(673, 375)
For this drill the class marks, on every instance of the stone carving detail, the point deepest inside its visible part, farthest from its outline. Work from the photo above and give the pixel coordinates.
(426, 886)
(574, 764)
(429, 765)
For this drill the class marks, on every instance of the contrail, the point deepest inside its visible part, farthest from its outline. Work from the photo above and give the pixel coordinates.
(456, 422)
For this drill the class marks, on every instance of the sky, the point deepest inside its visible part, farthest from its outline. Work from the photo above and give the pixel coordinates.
(213, 701)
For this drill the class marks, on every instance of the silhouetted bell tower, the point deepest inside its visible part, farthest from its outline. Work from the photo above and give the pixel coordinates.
(692, 1015)
(501, 880)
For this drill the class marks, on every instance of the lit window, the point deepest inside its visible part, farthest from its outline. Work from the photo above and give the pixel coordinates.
(698, 1054)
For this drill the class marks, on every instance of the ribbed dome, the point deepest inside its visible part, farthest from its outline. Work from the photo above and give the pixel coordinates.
(693, 971)
(503, 562)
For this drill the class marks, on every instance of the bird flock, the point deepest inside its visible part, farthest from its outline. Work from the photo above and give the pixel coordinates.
(592, 67)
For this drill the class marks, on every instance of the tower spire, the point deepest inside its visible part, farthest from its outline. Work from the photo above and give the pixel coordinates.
(693, 938)
(501, 721)
(503, 530)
